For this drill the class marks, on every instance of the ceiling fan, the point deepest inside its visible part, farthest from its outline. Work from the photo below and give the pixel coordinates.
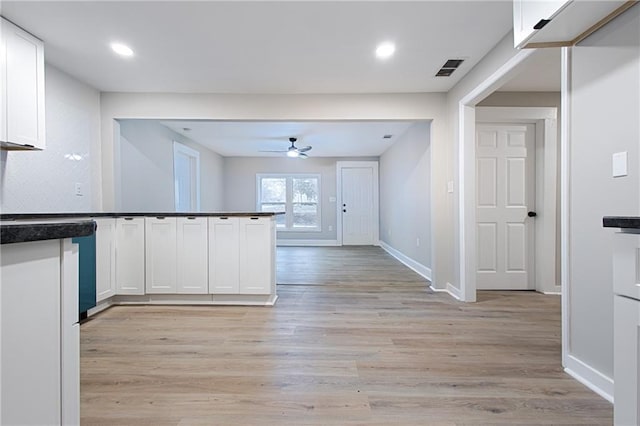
(293, 151)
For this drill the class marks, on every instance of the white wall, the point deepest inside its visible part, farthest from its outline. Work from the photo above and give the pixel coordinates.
(405, 194)
(146, 169)
(44, 181)
(240, 184)
(416, 107)
(605, 118)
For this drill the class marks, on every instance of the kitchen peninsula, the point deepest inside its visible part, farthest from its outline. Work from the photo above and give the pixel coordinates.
(39, 330)
(179, 258)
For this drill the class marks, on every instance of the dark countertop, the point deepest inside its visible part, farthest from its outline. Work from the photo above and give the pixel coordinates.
(37, 216)
(628, 222)
(39, 231)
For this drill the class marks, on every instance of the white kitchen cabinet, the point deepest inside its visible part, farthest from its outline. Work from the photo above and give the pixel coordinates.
(257, 255)
(105, 258)
(626, 330)
(568, 20)
(130, 254)
(626, 363)
(160, 258)
(21, 89)
(39, 365)
(192, 255)
(224, 255)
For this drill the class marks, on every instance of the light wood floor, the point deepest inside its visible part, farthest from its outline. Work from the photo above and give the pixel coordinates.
(377, 349)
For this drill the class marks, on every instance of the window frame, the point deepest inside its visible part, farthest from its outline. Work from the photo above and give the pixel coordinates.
(289, 198)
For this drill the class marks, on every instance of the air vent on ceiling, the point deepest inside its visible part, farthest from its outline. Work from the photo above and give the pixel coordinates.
(449, 67)
(387, 136)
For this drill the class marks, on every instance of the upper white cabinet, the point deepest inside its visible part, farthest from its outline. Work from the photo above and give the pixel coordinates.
(540, 23)
(224, 255)
(21, 89)
(105, 258)
(192, 255)
(130, 255)
(160, 243)
(257, 255)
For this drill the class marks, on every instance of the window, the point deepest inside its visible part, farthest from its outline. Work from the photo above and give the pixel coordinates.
(296, 195)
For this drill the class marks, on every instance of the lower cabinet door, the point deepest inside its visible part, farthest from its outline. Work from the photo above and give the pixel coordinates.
(130, 268)
(224, 255)
(105, 258)
(192, 255)
(256, 253)
(160, 254)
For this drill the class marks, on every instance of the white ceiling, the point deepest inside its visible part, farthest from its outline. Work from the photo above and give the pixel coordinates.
(328, 139)
(265, 46)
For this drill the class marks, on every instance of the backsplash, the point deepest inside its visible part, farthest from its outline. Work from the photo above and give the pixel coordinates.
(45, 181)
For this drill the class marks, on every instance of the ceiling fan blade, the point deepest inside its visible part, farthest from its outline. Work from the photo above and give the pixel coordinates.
(305, 149)
(303, 155)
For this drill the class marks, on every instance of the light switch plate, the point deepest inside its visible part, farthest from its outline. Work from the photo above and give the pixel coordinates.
(332, 199)
(450, 186)
(619, 164)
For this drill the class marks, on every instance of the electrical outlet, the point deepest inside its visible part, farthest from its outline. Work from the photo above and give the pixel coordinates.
(78, 189)
(417, 242)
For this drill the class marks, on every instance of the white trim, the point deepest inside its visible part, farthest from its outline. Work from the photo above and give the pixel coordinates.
(546, 162)
(590, 377)
(376, 197)
(466, 171)
(565, 169)
(196, 299)
(450, 289)
(190, 152)
(415, 266)
(306, 243)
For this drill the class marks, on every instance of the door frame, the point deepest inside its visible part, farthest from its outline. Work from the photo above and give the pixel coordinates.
(373, 165)
(546, 177)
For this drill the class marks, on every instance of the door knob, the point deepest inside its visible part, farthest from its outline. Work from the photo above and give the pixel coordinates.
(532, 214)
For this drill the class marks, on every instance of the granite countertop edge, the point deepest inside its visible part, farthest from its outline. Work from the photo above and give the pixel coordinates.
(628, 222)
(37, 216)
(27, 232)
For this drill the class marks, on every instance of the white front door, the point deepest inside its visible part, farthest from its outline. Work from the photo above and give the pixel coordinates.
(505, 193)
(357, 206)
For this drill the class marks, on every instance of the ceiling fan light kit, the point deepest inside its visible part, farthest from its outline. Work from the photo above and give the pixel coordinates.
(293, 151)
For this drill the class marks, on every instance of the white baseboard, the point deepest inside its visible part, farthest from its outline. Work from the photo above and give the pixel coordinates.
(590, 377)
(450, 290)
(419, 268)
(306, 243)
(557, 290)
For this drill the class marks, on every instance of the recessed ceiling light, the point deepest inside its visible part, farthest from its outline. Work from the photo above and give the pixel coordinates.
(121, 49)
(385, 50)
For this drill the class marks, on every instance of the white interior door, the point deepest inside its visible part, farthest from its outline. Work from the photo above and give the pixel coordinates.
(357, 206)
(186, 169)
(505, 193)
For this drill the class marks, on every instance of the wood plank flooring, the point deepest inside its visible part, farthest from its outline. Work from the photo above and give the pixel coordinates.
(368, 345)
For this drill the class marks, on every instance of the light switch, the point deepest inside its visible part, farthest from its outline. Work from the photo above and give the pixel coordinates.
(619, 164)
(450, 186)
